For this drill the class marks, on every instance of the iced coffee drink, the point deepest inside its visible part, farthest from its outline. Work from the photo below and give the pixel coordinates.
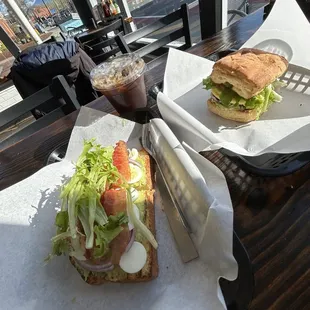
(121, 80)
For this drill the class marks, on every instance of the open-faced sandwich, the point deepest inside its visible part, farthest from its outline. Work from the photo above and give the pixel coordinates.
(107, 223)
(243, 84)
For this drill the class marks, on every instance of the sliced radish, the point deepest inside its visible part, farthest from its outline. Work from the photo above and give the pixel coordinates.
(133, 154)
(134, 260)
(136, 172)
(137, 213)
(134, 194)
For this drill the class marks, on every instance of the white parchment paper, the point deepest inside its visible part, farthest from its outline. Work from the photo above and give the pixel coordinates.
(282, 129)
(285, 32)
(27, 213)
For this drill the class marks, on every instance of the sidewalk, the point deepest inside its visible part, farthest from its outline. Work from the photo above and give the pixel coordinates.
(9, 97)
(5, 66)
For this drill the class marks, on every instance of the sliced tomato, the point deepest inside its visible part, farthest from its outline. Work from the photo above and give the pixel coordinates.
(121, 160)
(114, 201)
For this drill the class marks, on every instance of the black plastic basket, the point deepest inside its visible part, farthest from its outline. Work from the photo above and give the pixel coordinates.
(237, 294)
(270, 164)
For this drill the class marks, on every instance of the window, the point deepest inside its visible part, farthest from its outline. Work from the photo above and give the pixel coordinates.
(239, 8)
(145, 12)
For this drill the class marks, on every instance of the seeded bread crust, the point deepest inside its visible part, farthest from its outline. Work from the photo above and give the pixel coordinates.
(234, 115)
(249, 71)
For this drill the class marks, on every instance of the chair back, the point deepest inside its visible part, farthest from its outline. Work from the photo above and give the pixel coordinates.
(59, 89)
(103, 50)
(184, 31)
(98, 45)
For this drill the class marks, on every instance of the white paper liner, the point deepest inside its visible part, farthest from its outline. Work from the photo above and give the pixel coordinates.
(282, 129)
(27, 213)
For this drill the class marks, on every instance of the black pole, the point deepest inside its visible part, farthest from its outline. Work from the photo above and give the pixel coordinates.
(210, 17)
(9, 43)
(85, 12)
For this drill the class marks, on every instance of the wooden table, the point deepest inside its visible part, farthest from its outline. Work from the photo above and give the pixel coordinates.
(272, 215)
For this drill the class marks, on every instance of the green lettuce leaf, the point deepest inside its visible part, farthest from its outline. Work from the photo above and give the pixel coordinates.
(62, 221)
(275, 97)
(60, 244)
(100, 216)
(207, 83)
(105, 234)
(267, 93)
(83, 215)
(60, 247)
(230, 99)
(80, 199)
(255, 101)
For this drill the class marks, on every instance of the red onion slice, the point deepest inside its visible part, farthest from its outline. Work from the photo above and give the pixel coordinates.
(132, 239)
(96, 268)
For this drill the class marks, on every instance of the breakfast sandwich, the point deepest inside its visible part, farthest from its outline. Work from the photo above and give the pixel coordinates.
(243, 84)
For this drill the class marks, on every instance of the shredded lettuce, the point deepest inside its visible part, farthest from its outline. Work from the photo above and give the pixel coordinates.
(81, 206)
(81, 199)
(105, 234)
(137, 223)
(232, 100)
(275, 97)
(83, 215)
(268, 91)
(100, 216)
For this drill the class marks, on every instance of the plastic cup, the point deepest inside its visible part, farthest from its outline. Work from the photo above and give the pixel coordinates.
(121, 80)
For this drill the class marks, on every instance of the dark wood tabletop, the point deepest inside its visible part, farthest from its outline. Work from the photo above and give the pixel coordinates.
(272, 215)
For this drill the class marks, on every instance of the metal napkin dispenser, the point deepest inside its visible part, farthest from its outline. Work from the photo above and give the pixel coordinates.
(185, 184)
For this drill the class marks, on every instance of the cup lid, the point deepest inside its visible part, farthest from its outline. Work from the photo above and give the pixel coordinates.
(117, 71)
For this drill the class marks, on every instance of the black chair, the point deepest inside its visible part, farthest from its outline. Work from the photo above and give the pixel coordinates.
(97, 44)
(169, 36)
(58, 94)
(110, 47)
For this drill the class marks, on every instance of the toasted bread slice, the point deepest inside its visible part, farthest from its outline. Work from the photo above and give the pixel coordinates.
(145, 204)
(234, 115)
(249, 71)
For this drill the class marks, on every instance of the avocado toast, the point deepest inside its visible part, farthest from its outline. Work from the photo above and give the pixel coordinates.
(110, 235)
